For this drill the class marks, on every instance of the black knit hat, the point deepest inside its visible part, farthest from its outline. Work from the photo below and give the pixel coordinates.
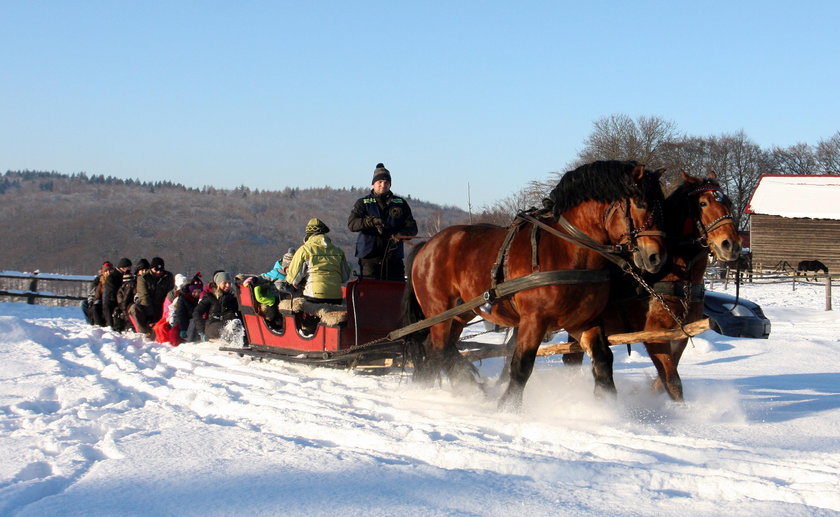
(157, 261)
(380, 173)
(141, 264)
(124, 262)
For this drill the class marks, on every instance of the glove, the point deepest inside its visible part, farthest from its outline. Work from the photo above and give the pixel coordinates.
(202, 337)
(375, 222)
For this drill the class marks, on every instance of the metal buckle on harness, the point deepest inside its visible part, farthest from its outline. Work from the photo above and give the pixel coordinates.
(489, 299)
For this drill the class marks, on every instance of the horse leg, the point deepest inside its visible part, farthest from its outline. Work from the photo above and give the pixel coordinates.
(425, 360)
(431, 361)
(461, 371)
(573, 358)
(594, 342)
(510, 346)
(522, 364)
(666, 360)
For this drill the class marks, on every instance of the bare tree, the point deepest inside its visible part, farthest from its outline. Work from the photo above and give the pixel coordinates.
(828, 155)
(689, 154)
(618, 137)
(738, 162)
(503, 211)
(796, 159)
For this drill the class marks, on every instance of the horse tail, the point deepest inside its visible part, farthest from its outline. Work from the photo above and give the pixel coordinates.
(415, 343)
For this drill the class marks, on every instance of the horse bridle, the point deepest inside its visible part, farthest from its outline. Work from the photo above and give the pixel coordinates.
(628, 241)
(705, 230)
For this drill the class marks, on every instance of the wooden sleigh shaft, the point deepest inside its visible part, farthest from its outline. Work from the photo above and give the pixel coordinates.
(483, 351)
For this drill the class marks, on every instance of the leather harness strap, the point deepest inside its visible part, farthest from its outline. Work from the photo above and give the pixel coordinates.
(507, 288)
(535, 247)
(576, 236)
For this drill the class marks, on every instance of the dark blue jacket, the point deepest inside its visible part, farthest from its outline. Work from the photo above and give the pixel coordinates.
(396, 216)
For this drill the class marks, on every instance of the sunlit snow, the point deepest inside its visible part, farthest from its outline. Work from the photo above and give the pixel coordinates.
(99, 423)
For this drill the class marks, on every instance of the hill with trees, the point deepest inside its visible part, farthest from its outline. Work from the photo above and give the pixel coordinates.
(72, 223)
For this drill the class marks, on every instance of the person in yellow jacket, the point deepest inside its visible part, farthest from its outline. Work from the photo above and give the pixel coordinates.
(319, 267)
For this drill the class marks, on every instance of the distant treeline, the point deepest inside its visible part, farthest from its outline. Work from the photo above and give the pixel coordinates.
(70, 223)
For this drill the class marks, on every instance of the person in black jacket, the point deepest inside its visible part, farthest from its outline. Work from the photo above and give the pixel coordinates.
(152, 288)
(216, 308)
(126, 297)
(381, 218)
(112, 282)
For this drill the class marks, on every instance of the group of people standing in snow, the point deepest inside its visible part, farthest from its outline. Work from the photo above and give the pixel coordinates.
(152, 301)
(171, 309)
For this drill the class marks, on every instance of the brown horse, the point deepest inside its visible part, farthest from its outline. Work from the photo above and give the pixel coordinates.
(698, 218)
(608, 203)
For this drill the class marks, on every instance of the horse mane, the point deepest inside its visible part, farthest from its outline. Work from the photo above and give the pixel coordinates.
(604, 181)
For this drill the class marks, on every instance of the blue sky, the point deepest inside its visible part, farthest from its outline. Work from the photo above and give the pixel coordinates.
(447, 94)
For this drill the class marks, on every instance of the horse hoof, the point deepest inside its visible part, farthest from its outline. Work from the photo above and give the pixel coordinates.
(602, 392)
(511, 402)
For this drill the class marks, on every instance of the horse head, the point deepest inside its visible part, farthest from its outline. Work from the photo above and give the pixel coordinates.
(635, 222)
(711, 211)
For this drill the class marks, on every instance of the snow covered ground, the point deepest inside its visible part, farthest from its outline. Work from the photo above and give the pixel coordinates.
(98, 423)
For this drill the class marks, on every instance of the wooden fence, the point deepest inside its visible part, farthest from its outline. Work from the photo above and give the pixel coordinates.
(45, 288)
(726, 276)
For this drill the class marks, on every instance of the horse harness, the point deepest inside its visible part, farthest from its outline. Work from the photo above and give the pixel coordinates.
(501, 288)
(686, 291)
(705, 230)
(571, 234)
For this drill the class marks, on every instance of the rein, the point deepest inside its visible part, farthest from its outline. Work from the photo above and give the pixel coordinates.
(575, 236)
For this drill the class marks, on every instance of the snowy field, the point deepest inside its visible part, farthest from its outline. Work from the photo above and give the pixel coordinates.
(98, 423)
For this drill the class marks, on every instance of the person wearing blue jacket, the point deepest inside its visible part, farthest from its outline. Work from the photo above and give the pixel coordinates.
(278, 272)
(382, 219)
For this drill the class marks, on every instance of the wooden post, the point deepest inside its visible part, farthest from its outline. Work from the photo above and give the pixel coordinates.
(827, 292)
(33, 288)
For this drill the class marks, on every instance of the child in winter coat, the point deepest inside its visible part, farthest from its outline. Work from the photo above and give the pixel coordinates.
(267, 298)
(216, 308)
(167, 329)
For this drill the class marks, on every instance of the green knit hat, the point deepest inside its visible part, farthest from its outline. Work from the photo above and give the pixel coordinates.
(316, 226)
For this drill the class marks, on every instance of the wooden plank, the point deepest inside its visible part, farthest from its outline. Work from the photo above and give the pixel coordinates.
(486, 350)
(692, 329)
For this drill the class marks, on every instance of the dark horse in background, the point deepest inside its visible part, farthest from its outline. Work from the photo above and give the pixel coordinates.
(698, 219)
(811, 265)
(611, 202)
